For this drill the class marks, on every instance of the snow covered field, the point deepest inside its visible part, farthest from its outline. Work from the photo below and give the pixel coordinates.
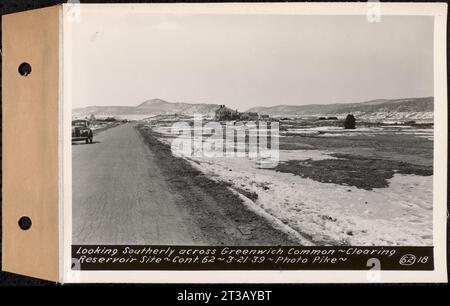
(329, 213)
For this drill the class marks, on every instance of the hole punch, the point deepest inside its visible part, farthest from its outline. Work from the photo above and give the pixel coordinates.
(25, 223)
(24, 69)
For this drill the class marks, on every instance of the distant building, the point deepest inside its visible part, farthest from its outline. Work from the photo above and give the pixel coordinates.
(224, 113)
(264, 117)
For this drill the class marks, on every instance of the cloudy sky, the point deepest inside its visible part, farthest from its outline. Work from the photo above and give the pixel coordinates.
(248, 60)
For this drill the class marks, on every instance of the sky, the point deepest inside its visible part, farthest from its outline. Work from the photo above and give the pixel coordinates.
(244, 61)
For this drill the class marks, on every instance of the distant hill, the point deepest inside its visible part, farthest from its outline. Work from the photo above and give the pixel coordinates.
(395, 109)
(148, 108)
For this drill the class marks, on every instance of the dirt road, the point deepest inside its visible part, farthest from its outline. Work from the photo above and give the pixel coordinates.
(129, 189)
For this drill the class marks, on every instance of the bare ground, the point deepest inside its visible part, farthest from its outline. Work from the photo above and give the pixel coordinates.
(364, 162)
(220, 214)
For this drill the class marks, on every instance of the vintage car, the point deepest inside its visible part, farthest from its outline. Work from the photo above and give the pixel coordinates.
(81, 131)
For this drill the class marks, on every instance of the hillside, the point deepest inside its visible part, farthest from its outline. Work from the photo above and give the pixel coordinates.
(147, 109)
(395, 109)
(383, 109)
